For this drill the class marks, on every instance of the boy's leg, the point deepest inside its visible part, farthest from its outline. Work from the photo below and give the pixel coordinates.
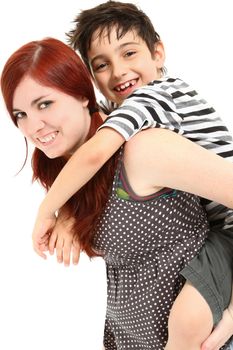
(210, 272)
(190, 321)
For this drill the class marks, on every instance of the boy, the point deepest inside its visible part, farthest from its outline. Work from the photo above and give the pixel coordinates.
(123, 52)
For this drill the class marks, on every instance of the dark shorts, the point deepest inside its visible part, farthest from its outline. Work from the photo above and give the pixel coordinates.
(210, 272)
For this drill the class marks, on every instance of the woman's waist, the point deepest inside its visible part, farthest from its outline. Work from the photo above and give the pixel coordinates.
(131, 258)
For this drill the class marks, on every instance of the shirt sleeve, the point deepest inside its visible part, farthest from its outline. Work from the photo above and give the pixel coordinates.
(144, 109)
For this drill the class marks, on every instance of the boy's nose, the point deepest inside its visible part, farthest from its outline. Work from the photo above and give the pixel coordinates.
(118, 71)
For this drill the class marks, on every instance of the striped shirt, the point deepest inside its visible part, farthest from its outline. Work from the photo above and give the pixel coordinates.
(172, 104)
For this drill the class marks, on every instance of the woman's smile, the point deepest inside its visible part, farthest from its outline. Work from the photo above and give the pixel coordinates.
(48, 139)
(53, 121)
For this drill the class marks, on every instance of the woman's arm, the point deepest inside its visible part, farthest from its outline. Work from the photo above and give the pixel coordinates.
(222, 332)
(163, 158)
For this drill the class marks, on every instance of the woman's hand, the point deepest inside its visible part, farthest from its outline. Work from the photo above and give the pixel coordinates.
(62, 239)
(221, 333)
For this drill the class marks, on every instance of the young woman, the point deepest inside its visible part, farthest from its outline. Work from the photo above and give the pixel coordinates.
(138, 212)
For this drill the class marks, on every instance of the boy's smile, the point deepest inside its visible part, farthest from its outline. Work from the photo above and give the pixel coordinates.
(119, 66)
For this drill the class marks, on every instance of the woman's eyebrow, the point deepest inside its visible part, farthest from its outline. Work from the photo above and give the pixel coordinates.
(35, 101)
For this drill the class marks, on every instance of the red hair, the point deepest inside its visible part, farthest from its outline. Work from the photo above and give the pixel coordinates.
(52, 63)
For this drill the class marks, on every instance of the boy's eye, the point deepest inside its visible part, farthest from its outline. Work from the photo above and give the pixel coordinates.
(130, 53)
(99, 67)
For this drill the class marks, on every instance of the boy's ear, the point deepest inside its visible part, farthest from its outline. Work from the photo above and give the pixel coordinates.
(96, 84)
(159, 54)
(93, 79)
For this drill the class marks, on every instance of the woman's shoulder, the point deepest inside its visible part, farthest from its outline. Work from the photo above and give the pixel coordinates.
(141, 157)
(156, 150)
(147, 149)
(149, 138)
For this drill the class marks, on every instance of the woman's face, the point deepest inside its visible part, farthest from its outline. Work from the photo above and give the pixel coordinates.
(53, 121)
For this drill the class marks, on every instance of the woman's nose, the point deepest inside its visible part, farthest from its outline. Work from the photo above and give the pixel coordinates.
(33, 125)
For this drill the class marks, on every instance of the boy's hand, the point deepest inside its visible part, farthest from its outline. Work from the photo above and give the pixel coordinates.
(62, 239)
(42, 230)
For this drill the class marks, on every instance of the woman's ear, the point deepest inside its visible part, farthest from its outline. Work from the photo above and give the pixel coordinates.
(85, 102)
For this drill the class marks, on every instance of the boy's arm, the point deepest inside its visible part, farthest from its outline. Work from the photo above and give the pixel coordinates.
(80, 168)
(63, 240)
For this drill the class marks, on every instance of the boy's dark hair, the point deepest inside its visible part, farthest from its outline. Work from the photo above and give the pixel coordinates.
(123, 16)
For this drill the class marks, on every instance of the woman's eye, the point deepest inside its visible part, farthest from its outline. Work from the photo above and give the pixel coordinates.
(44, 104)
(19, 115)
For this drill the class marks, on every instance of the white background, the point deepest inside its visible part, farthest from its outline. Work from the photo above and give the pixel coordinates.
(42, 304)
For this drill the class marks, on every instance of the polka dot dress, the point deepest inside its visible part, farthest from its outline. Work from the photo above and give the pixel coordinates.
(145, 243)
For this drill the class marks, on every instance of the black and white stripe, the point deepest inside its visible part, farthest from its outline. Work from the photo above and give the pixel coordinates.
(172, 104)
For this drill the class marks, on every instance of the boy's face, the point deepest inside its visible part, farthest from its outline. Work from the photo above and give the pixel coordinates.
(121, 66)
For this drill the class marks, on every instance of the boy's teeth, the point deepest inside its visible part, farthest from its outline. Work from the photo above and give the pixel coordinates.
(126, 85)
(123, 86)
